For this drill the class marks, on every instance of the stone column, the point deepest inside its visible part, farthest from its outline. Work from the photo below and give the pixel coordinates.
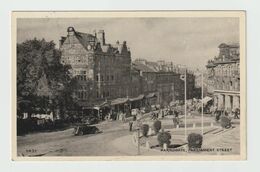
(215, 100)
(220, 101)
(227, 102)
(236, 103)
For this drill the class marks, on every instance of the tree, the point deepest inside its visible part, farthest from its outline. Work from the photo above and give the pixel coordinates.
(43, 83)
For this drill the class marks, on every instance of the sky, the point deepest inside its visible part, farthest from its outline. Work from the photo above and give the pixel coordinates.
(187, 41)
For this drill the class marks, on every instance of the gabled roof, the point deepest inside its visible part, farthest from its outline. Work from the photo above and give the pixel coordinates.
(85, 39)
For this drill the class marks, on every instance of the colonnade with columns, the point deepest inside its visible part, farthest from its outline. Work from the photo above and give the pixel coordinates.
(226, 101)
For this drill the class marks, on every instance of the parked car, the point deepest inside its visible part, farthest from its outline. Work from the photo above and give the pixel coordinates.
(83, 129)
(90, 120)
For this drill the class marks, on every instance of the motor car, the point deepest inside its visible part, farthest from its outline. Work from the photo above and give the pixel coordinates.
(83, 129)
(90, 120)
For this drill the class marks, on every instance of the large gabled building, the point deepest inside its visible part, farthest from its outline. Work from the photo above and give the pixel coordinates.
(103, 70)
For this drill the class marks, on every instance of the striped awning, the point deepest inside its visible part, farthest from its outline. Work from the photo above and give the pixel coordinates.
(119, 101)
(140, 97)
(150, 95)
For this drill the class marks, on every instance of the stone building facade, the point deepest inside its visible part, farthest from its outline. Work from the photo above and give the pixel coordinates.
(105, 73)
(103, 70)
(224, 77)
(162, 79)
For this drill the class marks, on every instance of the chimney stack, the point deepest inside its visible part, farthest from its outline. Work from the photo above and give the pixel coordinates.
(101, 37)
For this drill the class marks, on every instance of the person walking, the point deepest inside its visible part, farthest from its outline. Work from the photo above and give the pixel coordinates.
(236, 113)
(130, 126)
(162, 113)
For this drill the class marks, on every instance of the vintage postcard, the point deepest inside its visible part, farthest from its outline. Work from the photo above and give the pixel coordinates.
(129, 85)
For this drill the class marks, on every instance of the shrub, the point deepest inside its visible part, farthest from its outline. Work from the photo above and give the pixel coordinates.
(164, 137)
(145, 129)
(225, 122)
(157, 125)
(195, 140)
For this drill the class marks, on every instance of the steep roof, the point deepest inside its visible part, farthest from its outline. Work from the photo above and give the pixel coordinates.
(85, 38)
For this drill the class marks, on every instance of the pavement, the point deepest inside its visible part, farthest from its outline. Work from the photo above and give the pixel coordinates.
(217, 142)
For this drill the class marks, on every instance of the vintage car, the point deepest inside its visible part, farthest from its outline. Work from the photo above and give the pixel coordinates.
(83, 129)
(90, 120)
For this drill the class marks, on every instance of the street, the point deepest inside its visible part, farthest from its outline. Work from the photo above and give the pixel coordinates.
(65, 143)
(115, 139)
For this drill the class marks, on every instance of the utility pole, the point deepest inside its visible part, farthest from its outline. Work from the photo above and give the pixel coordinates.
(138, 146)
(185, 103)
(202, 110)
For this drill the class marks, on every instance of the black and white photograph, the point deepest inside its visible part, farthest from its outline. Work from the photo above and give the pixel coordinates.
(129, 85)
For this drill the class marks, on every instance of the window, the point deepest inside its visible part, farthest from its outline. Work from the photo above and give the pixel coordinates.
(84, 78)
(102, 78)
(97, 78)
(231, 87)
(112, 77)
(81, 94)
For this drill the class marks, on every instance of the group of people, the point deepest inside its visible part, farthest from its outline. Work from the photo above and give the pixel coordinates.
(235, 112)
(115, 116)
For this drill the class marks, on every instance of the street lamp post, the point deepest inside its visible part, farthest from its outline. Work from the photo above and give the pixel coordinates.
(138, 146)
(202, 110)
(185, 103)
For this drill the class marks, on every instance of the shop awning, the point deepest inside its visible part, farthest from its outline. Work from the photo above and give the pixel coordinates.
(102, 105)
(140, 97)
(150, 95)
(119, 101)
(206, 99)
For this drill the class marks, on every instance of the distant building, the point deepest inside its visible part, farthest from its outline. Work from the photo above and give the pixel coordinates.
(103, 70)
(148, 81)
(161, 78)
(224, 77)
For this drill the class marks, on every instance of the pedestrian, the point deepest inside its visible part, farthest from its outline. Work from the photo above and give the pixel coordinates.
(134, 118)
(109, 116)
(153, 115)
(162, 113)
(237, 111)
(176, 113)
(123, 117)
(130, 125)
